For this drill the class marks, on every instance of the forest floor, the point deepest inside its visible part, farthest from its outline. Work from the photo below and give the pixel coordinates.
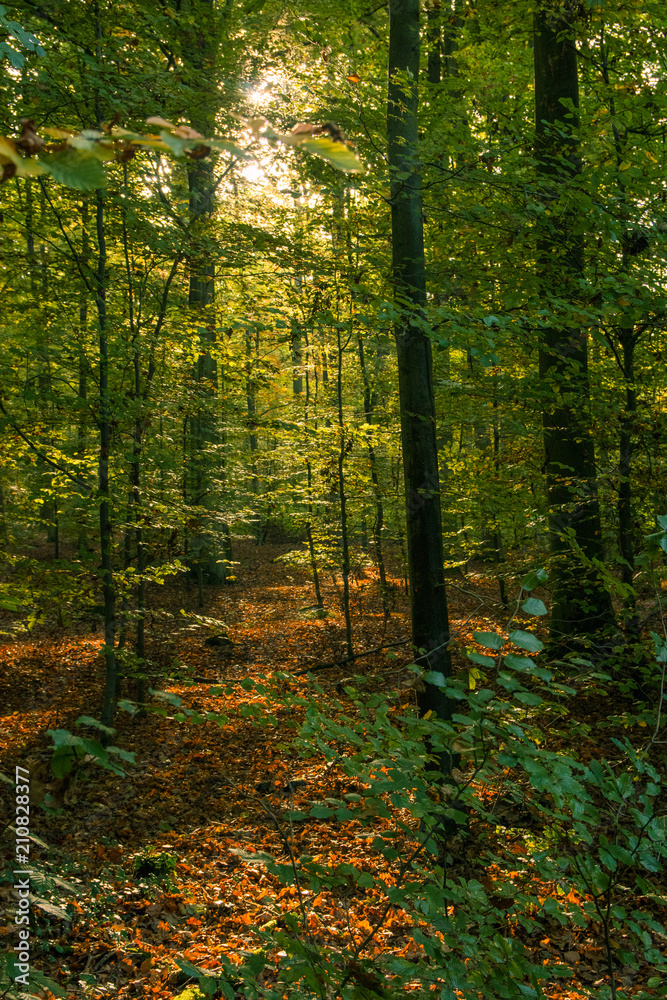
(200, 793)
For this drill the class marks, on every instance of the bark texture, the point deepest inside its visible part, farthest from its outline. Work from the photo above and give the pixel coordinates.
(208, 550)
(430, 621)
(581, 605)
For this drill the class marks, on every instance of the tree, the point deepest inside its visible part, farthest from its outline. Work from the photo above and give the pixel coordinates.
(428, 601)
(580, 602)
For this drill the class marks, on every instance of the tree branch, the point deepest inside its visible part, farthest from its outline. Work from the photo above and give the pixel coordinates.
(349, 659)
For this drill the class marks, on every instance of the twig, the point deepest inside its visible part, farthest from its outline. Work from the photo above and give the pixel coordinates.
(75, 479)
(349, 659)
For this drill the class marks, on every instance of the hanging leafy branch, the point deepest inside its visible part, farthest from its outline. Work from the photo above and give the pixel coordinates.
(76, 159)
(17, 33)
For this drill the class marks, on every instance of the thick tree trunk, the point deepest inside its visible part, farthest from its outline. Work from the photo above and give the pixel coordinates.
(430, 621)
(581, 605)
(202, 38)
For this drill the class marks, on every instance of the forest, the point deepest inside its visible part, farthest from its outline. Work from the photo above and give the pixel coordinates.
(333, 499)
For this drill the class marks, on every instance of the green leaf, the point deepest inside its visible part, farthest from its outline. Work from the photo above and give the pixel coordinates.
(76, 170)
(662, 521)
(435, 678)
(12, 56)
(51, 909)
(128, 755)
(336, 153)
(321, 812)
(188, 968)
(526, 640)
(533, 606)
(208, 985)
(10, 603)
(87, 720)
(522, 663)
(528, 698)
(490, 640)
(26, 38)
(484, 661)
(175, 143)
(534, 579)
(173, 699)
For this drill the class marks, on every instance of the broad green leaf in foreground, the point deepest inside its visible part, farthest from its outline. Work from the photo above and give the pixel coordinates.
(534, 579)
(526, 640)
(533, 606)
(336, 153)
(76, 170)
(491, 640)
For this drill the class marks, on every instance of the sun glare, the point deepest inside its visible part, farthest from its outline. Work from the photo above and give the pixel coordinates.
(257, 96)
(253, 172)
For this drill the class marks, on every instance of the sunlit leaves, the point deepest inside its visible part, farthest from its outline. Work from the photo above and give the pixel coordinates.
(336, 153)
(14, 164)
(76, 161)
(325, 141)
(23, 37)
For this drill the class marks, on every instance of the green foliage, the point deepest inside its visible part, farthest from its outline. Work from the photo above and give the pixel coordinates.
(71, 751)
(23, 37)
(76, 170)
(154, 865)
(36, 981)
(591, 827)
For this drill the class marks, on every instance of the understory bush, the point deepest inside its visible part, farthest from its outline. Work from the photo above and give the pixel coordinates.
(532, 834)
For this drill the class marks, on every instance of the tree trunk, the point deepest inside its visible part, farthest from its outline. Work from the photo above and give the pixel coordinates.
(581, 605)
(106, 540)
(342, 497)
(430, 620)
(378, 522)
(200, 51)
(82, 537)
(626, 533)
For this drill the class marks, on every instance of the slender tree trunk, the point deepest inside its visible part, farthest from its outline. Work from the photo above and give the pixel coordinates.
(627, 341)
(378, 522)
(497, 536)
(434, 36)
(106, 538)
(297, 358)
(251, 353)
(626, 539)
(4, 536)
(430, 620)
(82, 539)
(581, 605)
(311, 543)
(342, 452)
(309, 481)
